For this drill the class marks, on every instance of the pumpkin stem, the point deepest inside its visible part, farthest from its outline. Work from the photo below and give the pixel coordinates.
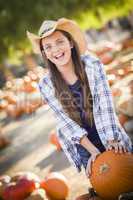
(104, 168)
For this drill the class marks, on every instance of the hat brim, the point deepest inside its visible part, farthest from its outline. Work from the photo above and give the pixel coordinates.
(64, 24)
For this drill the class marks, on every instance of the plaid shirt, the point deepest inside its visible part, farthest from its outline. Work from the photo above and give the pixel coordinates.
(106, 121)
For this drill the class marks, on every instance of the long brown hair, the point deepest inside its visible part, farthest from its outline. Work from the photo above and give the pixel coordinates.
(62, 91)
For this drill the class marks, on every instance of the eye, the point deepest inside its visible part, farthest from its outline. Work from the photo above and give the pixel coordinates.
(47, 47)
(60, 41)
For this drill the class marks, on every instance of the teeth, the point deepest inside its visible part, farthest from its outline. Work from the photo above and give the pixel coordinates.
(60, 55)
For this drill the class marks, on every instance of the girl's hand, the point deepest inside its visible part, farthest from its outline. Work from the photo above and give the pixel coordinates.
(118, 146)
(90, 161)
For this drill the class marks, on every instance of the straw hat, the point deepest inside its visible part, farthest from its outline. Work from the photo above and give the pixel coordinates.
(49, 26)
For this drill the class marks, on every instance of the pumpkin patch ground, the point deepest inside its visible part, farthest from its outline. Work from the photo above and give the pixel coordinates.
(40, 158)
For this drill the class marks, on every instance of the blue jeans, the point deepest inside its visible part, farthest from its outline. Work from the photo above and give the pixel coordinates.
(84, 154)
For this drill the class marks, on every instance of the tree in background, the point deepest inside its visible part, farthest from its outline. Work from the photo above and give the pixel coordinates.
(17, 16)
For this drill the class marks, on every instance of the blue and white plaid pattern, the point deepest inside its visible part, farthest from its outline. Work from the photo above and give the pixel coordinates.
(106, 120)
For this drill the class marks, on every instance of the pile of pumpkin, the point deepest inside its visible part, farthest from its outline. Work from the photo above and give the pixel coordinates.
(122, 90)
(112, 175)
(123, 101)
(28, 186)
(21, 95)
(108, 51)
(117, 59)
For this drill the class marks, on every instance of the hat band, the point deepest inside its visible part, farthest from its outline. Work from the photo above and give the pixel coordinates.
(46, 30)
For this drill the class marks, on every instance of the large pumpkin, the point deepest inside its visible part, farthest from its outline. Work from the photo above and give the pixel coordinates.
(112, 174)
(56, 186)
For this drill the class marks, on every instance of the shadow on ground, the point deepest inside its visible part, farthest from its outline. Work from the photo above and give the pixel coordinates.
(57, 159)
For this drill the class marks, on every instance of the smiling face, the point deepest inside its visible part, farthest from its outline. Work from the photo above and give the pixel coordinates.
(57, 48)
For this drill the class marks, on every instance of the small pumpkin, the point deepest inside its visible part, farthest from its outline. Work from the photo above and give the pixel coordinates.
(11, 98)
(29, 85)
(103, 50)
(111, 79)
(122, 118)
(21, 186)
(128, 43)
(54, 140)
(12, 192)
(14, 111)
(121, 72)
(112, 174)
(106, 58)
(126, 107)
(3, 104)
(56, 186)
(116, 92)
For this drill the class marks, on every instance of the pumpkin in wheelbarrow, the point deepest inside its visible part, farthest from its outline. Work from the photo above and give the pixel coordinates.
(112, 174)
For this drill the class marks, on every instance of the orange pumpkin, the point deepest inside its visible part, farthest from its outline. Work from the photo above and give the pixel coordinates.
(29, 108)
(10, 97)
(111, 79)
(128, 43)
(121, 72)
(117, 92)
(54, 140)
(3, 104)
(14, 111)
(103, 50)
(123, 119)
(56, 186)
(112, 174)
(29, 85)
(106, 58)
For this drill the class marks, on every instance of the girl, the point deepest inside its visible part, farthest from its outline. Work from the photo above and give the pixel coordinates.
(77, 90)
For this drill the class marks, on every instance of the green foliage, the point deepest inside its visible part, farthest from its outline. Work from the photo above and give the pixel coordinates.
(16, 16)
